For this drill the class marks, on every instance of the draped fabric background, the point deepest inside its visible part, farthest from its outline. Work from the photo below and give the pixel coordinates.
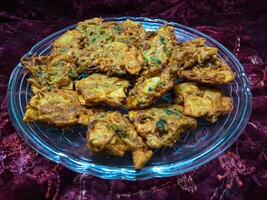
(240, 173)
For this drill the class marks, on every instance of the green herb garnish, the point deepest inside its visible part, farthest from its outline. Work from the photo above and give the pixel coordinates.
(93, 40)
(170, 112)
(150, 89)
(162, 125)
(72, 74)
(155, 61)
(118, 29)
(60, 63)
(121, 134)
(162, 40)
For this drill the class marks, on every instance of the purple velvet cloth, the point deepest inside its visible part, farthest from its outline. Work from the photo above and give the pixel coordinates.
(240, 173)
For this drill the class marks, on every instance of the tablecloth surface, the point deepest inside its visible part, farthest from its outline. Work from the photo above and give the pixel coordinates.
(240, 173)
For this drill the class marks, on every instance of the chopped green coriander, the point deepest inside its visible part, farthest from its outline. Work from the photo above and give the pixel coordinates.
(155, 61)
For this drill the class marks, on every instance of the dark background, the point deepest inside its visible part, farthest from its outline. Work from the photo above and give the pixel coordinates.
(240, 173)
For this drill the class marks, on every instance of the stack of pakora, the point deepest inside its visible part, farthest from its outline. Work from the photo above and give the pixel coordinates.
(100, 67)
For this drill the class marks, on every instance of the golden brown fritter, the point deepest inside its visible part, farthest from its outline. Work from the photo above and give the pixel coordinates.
(50, 72)
(59, 108)
(128, 32)
(71, 45)
(86, 115)
(102, 89)
(116, 58)
(189, 53)
(111, 47)
(217, 74)
(158, 48)
(70, 39)
(202, 101)
(161, 126)
(200, 63)
(113, 134)
(148, 89)
(95, 33)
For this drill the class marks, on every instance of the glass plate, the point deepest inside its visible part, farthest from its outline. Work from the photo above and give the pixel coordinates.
(195, 149)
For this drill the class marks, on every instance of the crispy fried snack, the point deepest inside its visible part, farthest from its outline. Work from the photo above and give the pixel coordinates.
(71, 44)
(111, 47)
(158, 48)
(150, 88)
(216, 74)
(202, 101)
(101, 89)
(70, 39)
(187, 54)
(161, 126)
(117, 58)
(95, 33)
(59, 108)
(50, 72)
(114, 134)
(128, 32)
(200, 63)
(86, 115)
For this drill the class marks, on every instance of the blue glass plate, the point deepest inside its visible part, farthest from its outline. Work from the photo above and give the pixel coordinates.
(195, 149)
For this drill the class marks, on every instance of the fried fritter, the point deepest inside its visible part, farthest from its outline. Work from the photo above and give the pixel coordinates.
(86, 115)
(113, 134)
(158, 48)
(161, 126)
(98, 33)
(189, 53)
(95, 33)
(50, 72)
(71, 44)
(116, 58)
(101, 89)
(128, 32)
(217, 74)
(200, 63)
(110, 47)
(149, 89)
(60, 108)
(202, 101)
(70, 39)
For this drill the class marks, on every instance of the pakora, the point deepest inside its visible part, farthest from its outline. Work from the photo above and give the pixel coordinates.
(217, 74)
(148, 89)
(50, 72)
(202, 101)
(158, 48)
(200, 63)
(86, 115)
(129, 32)
(70, 39)
(59, 108)
(116, 58)
(161, 126)
(187, 54)
(113, 134)
(101, 89)
(95, 33)
(111, 46)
